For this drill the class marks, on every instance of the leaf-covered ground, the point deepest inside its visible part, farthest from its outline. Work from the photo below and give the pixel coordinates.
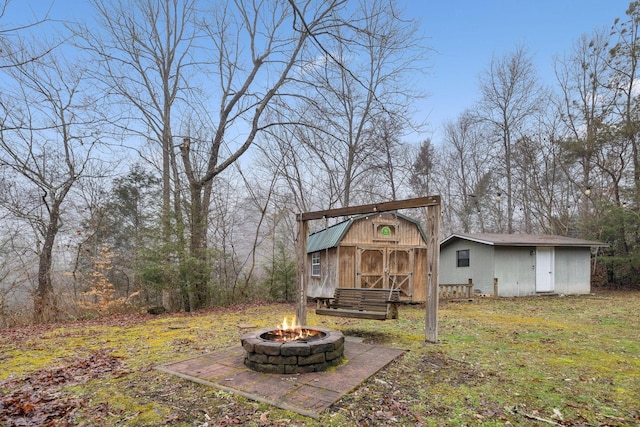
(572, 361)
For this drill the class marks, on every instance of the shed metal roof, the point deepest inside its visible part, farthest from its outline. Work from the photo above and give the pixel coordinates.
(497, 239)
(331, 236)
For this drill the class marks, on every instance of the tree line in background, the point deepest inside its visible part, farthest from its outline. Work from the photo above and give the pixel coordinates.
(157, 156)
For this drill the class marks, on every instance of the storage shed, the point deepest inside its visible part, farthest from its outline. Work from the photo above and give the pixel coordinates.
(380, 250)
(523, 264)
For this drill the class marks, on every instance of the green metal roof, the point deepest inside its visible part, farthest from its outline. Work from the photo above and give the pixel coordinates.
(331, 236)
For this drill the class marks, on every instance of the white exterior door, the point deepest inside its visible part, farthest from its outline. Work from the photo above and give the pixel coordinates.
(544, 269)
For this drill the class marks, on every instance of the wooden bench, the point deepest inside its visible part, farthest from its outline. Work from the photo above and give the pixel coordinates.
(377, 304)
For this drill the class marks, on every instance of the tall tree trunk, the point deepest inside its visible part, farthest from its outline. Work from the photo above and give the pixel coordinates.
(200, 194)
(45, 305)
(509, 174)
(198, 249)
(181, 242)
(166, 180)
(165, 219)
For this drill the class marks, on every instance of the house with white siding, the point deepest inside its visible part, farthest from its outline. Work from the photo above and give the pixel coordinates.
(518, 264)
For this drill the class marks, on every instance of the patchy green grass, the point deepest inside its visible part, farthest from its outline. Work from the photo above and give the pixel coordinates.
(531, 361)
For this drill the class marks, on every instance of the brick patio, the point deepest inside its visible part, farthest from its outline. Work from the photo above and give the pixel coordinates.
(307, 394)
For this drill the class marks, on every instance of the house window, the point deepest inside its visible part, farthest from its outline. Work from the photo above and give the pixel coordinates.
(462, 258)
(315, 264)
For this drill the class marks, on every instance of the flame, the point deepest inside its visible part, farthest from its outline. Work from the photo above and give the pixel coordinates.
(290, 330)
(289, 325)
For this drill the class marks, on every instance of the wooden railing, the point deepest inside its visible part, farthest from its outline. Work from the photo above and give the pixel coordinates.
(456, 291)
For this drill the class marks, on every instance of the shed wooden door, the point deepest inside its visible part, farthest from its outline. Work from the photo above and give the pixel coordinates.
(400, 271)
(385, 268)
(370, 268)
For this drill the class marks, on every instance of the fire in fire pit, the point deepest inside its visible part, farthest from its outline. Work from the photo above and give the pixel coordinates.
(283, 335)
(289, 331)
(293, 349)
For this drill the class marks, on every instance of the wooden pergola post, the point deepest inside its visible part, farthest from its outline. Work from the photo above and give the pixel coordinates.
(301, 272)
(433, 264)
(432, 204)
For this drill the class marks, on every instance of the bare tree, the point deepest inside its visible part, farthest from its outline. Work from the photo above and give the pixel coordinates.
(144, 50)
(468, 157)
(357, 100)
(292, 165)
(624, 63)
(393, 162)
(585, 108)
(248, 49)
(47, 139)
(546, 193)
(510, 96)
(249, 81)
(16, 267)
(259, 199)
(11, 40)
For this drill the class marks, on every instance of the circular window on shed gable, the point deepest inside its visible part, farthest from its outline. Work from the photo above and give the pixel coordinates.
(386, 231)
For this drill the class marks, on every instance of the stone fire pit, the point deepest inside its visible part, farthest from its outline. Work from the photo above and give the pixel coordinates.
(274, 351)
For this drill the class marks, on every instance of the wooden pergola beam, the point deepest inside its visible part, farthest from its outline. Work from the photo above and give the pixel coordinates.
(372, 208)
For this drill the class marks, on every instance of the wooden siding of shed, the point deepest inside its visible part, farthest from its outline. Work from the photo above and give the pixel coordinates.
(323, 286)
(362, 232)
(347, 269)
(362, 235)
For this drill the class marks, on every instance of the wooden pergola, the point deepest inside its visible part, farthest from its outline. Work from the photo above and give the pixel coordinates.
(433, 208)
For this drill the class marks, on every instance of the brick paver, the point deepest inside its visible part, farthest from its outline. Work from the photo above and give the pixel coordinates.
(308, 394)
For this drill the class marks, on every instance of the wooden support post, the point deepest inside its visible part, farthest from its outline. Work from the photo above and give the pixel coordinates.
(301, 272)
(433, 262)
(495, 287)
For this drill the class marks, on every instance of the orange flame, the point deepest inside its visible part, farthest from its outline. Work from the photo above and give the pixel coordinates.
(289, 325)
(290, 330)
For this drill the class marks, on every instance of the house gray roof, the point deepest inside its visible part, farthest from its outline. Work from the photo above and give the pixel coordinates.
(497, 239)
(331, 236)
